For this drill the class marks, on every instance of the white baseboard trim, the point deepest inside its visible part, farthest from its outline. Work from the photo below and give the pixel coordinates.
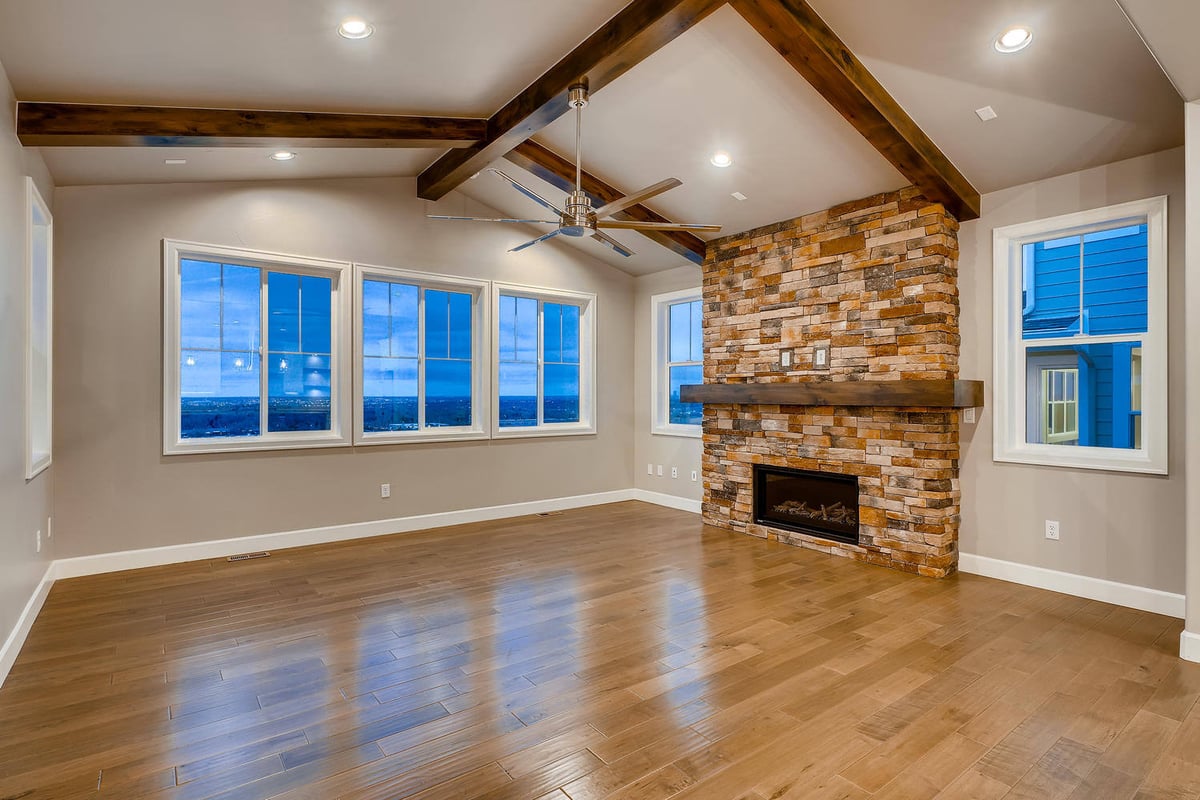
(220, 548)
(16, 639)
(1189, 646)
(668, 500)
(1121, 594)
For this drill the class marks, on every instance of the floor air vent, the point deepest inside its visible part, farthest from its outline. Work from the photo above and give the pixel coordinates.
(248, 556)
(550, 514)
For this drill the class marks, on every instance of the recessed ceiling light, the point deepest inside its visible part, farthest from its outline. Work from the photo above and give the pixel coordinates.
(721, 159)
(355, 28)
(1015, 38)
(986, 113)
(283, 155)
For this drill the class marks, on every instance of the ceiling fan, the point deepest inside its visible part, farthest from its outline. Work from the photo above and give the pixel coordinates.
(579, 219)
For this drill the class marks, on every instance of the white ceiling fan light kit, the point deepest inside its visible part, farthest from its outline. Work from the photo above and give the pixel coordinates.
(577, 218)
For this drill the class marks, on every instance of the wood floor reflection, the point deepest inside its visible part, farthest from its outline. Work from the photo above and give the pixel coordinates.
(621, 651)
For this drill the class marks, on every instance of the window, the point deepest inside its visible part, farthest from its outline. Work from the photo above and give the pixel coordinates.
(39, 242)
(254, 350)
(544, 362)
(1081, 338)
(421, 375)
(678, 360)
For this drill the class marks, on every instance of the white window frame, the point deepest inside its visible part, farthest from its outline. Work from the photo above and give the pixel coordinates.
(39, 405)
(587, 361)
(340, 336)
(480, 374)
(660, 363)
(1009, 432)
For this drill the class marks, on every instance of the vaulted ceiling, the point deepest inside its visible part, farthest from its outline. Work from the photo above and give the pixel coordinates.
(1087, 91)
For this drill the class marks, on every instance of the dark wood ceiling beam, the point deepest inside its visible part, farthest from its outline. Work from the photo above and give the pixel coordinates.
(639, 30)
(78, 124)
(795, 30)
(559, 172)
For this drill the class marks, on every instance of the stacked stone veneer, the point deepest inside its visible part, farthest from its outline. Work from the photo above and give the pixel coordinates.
(876, 280)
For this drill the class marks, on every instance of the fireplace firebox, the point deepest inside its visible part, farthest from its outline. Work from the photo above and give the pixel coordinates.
(823, 504)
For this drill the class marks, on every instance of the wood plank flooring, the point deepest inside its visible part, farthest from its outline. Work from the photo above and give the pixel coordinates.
(623, 651)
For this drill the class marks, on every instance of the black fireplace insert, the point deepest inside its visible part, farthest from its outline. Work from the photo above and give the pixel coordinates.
(823, 504)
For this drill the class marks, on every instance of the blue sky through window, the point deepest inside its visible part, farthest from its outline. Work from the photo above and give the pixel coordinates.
(685, 343)
(518, 368)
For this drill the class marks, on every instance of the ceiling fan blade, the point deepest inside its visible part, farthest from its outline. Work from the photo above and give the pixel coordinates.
(655, 226)
(530, 193)
(613, 243)
(487, 219)
(637, 197)
(538, 240)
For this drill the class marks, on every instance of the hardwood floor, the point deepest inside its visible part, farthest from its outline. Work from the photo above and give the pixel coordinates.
(623, 651)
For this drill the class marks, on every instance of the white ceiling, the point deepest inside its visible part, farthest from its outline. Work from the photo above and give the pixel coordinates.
(1086, 92)
(1169, 28)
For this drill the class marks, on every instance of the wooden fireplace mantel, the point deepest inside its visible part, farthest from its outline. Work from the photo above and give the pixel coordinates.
(895, 394)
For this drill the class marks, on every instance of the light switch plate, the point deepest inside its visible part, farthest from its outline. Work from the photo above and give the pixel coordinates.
(821, 356)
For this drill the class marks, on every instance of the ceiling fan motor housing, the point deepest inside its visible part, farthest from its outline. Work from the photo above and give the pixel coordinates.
(579, 219)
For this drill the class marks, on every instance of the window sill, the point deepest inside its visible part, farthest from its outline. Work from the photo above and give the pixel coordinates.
(567, 429)
(423, 437)
(1104, 460)
(680, 431)
(258, 444)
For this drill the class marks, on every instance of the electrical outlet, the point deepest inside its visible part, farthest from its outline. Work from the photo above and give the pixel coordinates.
(1052, 529)
(649, 469)
(674, 472)
(660, 470)
(695, 476)
(385, 490)
(968, 416)
(39, 541)
(49, 527)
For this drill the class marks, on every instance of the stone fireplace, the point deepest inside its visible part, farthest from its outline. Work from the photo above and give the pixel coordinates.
(874, 281)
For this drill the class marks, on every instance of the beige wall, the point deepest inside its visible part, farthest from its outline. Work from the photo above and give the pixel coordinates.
(121, 493)
(1120, 527)
(24, 506)
(1192, 354)
(649, 448)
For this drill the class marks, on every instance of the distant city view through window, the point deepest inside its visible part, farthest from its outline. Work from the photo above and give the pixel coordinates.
(222, 389)
(685, 357)
(518, 367)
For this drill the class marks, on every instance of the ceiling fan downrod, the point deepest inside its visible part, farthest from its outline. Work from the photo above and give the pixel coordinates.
(579, 219)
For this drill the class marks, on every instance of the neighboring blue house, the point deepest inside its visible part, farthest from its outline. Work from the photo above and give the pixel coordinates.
(1086, 392)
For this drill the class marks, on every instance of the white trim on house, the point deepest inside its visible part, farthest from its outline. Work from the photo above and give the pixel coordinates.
(1189, 646)
(1142, 598)
(341, 272)
(38, 455)
(1010, 443)
(586, 301)
(660, 307)
(16, 639)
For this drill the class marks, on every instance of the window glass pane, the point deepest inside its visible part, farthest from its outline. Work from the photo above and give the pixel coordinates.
(298, 392)
(447, 394)
(199, 305)
(219, 394)
(460, 325)
(680, 332)
(1115, 281)
(697, 332)
(1053, 309)
(376, 318)
(570, 334)
(552, 332)
(283, 305)
(316, 314)
(437, 324)
(526, 329)
(1082, 395)
(518, 395)
(684, 413)
(508, 328)
(389, 394)
(240, 291)
(405, 319)
(561, 393)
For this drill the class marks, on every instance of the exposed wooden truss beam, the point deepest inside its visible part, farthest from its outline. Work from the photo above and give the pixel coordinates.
(815, 51)
(639, 30)
(559, 172)
(77, 124)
